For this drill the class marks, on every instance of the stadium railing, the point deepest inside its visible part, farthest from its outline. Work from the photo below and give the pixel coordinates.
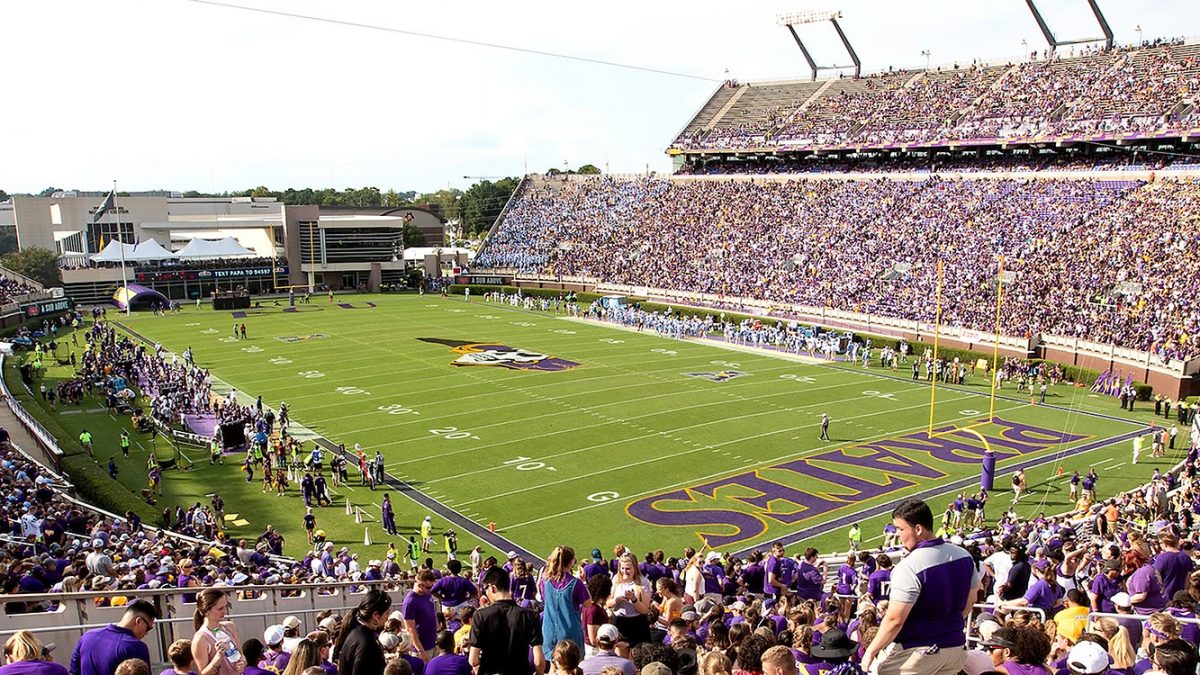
(77, 613)
(45, 440)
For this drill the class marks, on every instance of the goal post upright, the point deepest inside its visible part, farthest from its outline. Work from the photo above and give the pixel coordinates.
(937, 330)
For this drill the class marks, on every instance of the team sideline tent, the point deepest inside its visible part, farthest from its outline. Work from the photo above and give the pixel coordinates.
(198, 249)
(134, 296)
(146, 250)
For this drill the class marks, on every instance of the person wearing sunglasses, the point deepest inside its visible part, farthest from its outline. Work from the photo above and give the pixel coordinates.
(100, 651)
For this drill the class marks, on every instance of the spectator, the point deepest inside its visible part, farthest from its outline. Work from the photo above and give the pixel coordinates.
(1175, 657)
(24, 655)
(216, 640)
(132, 667)
(933, 589)
(566, 659)
(629, 603)
(306, 655)
(252, 651)
(180, 656)
(100, 651)
(607, 637)
(420, 617)
(446, 662)
(565, 596)
(358, 649)
(504, 634)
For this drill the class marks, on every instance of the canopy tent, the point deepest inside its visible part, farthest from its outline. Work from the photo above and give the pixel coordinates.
(146, 250)
(213, 248)
(134, 296)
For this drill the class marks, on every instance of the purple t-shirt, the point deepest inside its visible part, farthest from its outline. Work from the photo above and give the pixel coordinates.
(847, 580)
(774, 566)
(522, 588)
(1145, 579)
(419, 608)
(453, 590)
(1104, 588)
(448, 664)
(1174, 568)
(935, 578)
(810, 582)
(875, 584)
(1041, 595)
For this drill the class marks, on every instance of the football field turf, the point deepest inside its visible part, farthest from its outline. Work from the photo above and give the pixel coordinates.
(626, 437)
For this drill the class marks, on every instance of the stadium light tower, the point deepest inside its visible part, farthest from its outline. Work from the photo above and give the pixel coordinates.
(1055, 43)
(790, 21)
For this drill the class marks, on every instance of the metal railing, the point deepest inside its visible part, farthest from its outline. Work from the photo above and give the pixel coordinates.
(252, 609)
(40, 434)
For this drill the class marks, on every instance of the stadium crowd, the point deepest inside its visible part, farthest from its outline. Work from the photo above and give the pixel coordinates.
(1130, 89)
(1104, 260)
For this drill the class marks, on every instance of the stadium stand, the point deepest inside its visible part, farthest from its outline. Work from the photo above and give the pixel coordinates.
(786, 240)
(1141, 91)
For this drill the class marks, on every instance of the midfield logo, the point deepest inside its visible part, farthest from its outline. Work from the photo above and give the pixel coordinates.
(719, 376)
(301, 338)
(493, 354)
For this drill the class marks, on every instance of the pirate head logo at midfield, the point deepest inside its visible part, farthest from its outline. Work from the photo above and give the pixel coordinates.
(494, 354)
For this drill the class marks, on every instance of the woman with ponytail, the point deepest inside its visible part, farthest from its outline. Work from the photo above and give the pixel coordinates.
(564, 597)
(358, 649)
(215, 644)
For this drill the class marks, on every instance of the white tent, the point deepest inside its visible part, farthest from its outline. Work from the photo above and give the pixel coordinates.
(213, 248)
(146, 250)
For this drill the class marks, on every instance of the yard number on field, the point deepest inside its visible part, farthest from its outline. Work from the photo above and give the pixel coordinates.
(352, 391)
(278, 361)
(878, 394)
(665, 352)
(726, 364)
(397, 409)
(606, 496)
(528, 464)
(310, 374)
(803, 379)
(453, 433)
(612, 341)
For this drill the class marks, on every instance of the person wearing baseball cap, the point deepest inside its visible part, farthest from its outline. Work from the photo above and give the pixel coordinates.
(596, 567)
(274, 658)
(1087, 658)
(607, 637)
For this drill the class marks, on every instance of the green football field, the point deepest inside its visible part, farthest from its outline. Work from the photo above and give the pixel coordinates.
(559, 431)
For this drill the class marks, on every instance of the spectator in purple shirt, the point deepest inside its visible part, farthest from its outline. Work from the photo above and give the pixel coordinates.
(773, 573)
(810, 579)
(420, 617)
(522, 585)
(453, 591)
(880, 580)
(1042, 593)
(100, 651)
(1105, 586)
(1143, 583)
(26, 656)
(597, 566)
(447, 662)
(1173, 565)
(933, 589)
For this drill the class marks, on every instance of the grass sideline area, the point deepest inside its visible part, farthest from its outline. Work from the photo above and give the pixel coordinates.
(602, 442)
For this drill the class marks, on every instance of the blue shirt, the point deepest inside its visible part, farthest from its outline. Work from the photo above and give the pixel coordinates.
(100, 651)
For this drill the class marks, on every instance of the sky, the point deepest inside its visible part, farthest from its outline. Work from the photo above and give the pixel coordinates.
(186, 95)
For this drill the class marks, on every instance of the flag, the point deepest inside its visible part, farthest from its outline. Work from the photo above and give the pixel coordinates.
(107, 205)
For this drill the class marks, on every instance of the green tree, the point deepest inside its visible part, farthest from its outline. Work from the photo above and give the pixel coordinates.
(38, 264)
(482, 203)
(3, 196)
(589, 170)
(8, 240)
(412, 236)
(48, 192)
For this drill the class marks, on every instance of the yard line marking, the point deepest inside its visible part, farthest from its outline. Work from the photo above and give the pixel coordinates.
(649, 434)
(671, 457)
(701, 479)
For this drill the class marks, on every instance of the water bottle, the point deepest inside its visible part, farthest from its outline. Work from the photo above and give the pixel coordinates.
(230, 650)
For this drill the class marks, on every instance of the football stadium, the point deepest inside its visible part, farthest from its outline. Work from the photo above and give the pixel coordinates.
(894, 371)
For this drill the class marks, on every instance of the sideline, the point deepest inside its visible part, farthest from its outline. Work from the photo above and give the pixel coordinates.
(451, 515)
